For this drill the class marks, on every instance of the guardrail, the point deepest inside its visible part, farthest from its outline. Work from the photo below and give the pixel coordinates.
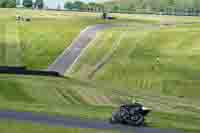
(22, 70)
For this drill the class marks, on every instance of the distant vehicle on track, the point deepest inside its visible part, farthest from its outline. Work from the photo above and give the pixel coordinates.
(131, 114)
(106, 16)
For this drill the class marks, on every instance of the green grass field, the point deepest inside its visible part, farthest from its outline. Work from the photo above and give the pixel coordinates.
(36, 44)
(152, 63)
(144, 57)
(22, 127)
(157, 66)
(74, 98)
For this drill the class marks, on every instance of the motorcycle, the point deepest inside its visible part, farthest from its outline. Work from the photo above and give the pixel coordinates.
(131, 114)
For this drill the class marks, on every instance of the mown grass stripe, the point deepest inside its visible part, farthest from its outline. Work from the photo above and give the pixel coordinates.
(65, 96)
(13, 54)
(76, 97)
(12, 90)
(144, 84)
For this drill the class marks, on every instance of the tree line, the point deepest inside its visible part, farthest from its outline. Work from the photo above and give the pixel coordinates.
(76, 5)
(79, 5)
(180, 7)
(169, 6)
(26, 3)
(30, 4)
(7, 3)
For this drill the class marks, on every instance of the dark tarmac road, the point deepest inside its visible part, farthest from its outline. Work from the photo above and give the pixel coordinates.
(76, 122)
(69, 55)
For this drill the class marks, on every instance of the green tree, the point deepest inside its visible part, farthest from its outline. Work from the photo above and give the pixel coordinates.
(39, 4)
(69, 5)
(154, 4)
(171, 3)
(116, 8)
(132, 6)
(28, 3)
(78, 4)
(92, 4)
(3, 3)
(196, 4)
(7, 3)
(180, 4)
(11, 3)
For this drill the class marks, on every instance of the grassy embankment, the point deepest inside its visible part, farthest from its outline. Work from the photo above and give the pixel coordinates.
(148, 58)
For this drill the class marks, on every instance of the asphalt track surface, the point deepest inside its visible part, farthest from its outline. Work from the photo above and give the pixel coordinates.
(68, 122)
(69, 55)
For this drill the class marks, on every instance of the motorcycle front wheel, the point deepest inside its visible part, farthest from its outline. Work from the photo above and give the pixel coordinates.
(136, 120)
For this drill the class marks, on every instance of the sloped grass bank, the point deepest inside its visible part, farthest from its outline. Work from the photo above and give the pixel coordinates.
(165, 53)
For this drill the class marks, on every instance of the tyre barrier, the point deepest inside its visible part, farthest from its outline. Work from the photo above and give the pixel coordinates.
(22, 70)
